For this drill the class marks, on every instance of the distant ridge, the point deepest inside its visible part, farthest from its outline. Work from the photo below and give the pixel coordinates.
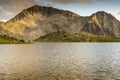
(102, 24)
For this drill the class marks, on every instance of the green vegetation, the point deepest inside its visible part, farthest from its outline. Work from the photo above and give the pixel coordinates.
(75, 37)
(62, 37)
(9, 40)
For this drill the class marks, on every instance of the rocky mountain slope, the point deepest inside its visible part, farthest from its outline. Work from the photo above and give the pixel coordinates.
(102, 24)
(1, 22)
(37, 21)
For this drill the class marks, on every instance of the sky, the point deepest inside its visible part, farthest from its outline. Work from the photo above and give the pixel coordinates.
(10, 8)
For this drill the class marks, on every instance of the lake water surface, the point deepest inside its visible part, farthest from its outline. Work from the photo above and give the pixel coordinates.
(60, 61)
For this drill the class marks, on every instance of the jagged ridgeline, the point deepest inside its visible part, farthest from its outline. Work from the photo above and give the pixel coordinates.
(38, 21)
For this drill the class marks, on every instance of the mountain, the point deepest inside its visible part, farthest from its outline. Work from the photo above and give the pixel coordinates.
(38, 21)
(102, 24)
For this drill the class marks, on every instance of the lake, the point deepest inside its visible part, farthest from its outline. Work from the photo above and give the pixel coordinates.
(60, 61)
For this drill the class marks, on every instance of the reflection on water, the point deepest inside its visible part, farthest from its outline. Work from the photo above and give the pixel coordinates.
(60, 61)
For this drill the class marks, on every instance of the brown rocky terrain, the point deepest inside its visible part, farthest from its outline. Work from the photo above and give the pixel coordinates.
(37, 21)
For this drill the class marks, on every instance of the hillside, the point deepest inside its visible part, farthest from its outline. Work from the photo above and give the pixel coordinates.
(9, 40)
(75, 37)
(38, 21)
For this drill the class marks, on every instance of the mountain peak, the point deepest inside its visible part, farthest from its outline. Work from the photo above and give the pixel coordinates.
(44, 11)
(36, 6)
(102, 24)
(102, 13)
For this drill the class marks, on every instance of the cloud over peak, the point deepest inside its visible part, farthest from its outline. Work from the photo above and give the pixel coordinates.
(71, 1)
(9, 8)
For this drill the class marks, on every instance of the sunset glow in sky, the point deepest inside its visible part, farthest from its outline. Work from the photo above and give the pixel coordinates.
(10, 8)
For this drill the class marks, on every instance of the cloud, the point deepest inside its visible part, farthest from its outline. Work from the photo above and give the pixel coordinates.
(118, 13)
(10, 8)
(71, 1)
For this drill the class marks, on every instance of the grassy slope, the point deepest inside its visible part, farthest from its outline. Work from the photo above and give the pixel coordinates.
(81, 37)
(9, 40)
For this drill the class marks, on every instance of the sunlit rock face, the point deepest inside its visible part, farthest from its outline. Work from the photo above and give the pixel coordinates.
(1, 22)
(37, 21)
(102, 24)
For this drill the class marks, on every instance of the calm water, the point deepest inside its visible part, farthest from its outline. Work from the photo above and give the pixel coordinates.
(60, 61)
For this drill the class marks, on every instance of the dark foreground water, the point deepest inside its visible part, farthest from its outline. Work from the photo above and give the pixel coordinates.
(60, 61)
